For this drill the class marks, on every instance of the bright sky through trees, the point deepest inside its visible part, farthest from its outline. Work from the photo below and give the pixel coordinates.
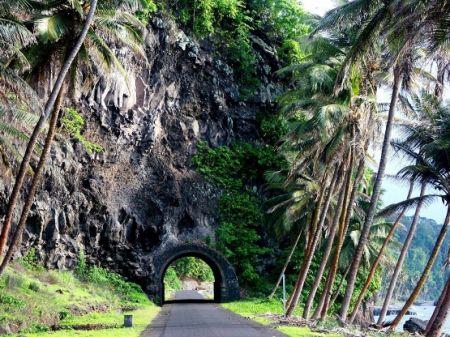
(394, 191)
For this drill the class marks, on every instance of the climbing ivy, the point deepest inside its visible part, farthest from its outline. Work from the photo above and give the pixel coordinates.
(239, 170)
(73, 123)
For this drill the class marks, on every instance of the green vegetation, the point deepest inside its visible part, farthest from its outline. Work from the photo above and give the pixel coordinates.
(33, 300)
(422, 244)
(238, 170)
(262, 311)
(73, 122)
(186, 267)
(194, 268)
(234, 25)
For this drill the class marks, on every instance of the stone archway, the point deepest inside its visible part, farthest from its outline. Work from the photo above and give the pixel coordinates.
(226, 285)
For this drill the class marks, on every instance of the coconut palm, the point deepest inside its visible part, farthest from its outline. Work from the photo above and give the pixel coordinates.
(403, 25)
(334, 132)
(56, 29)
(426, 144)
(50, 105)
(378, 259)
(401, 259)
(440, 313)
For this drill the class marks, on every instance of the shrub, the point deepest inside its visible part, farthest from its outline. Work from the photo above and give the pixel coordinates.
(11, 301)
(30, 261)
(34, 287)
(73, 122)
(128, 291)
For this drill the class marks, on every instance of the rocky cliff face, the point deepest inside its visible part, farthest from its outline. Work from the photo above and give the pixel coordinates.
(141, 193)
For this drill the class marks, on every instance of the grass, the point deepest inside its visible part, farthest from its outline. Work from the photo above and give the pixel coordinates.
(33, 299)
(294, 331)
(141, 319)
(255, 309)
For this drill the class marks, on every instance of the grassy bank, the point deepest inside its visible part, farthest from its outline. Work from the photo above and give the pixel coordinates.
(263, 311)
(88, 302)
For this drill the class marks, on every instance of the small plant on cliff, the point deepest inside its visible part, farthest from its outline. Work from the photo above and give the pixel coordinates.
(73, 122)
(31, 261)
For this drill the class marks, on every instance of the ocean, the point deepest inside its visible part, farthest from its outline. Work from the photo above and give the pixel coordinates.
(424, 312)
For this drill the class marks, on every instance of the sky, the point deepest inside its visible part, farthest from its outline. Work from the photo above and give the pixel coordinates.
(394, 191)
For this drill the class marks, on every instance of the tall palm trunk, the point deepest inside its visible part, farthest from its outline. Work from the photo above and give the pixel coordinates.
(379, 257)
(288, 260)
(331, 238)
(426, 272)
(303, 273)
(440, 313)
(401, 259)
(45, 113)
(314, 220)
(339, 287)
(340, 241)
(438, 306)
(328, 249)
(357, 257)
(17, 237)
(349, 209)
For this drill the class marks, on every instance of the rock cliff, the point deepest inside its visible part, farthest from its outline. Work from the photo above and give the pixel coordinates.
(142, 193)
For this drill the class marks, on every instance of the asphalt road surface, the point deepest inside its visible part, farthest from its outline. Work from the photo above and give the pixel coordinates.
(203, 320)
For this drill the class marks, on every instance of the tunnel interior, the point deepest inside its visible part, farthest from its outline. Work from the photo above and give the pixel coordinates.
(187, 297)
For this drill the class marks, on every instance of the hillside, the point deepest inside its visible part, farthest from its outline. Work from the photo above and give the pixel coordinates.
(422, 245)
(35, 301)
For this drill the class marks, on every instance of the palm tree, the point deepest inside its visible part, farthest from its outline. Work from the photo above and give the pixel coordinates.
(28, 152)
(378, 258)
(401, 259)
(399, 23)
(55, 28)
(440, 313)
(429, 138)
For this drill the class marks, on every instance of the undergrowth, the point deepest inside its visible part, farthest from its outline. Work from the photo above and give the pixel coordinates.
(33, 299)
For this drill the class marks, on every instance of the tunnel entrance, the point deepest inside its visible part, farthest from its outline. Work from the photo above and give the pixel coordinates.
(191, 279)
(225, 285)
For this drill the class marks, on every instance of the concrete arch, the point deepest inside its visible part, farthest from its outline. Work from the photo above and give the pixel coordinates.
(226, 285)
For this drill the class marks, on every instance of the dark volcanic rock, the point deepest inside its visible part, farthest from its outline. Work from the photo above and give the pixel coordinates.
(124, 205)
(415, 325)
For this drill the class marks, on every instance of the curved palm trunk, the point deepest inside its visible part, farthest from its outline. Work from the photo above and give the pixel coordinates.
(379, 257)
(45, 113)
(288, 260)
(340, 241)
(313, 246)
(426, 272)
(401, 259)
(292, 302)
(338, 289)
(440, 313)
(357, 257)
(349, 209)
(326, 256)
(438, 306)
(17, 237)
(327, 253)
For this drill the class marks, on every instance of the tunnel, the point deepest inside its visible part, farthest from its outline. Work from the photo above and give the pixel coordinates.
(226, 285)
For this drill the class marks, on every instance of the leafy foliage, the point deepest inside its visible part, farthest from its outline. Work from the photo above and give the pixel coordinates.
(130, 292)
(238, 170)
(73, 122)
(233, 24)
(193, 267)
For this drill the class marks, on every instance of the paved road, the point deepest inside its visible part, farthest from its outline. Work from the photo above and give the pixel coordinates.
(187, 295)
(204, 320)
